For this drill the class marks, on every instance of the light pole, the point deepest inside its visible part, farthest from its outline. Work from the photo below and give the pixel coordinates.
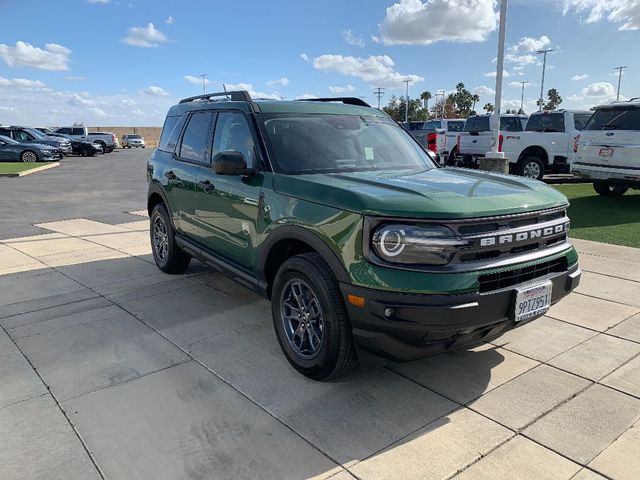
(438, 93)
(499, 73)
(544, 66)
(203, 75)
(406, 103)
(522, 97)
(619, 80)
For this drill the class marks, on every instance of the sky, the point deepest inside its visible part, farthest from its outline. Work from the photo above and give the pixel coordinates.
(124, 63)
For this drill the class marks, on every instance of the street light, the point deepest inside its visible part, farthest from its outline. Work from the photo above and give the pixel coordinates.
(406, 103)
(619, 80)
(522, 97)
(438, 93)
(203, 75)
(544, 66)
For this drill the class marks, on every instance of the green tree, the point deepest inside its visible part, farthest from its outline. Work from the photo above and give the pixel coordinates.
(396, 109)
(425, 97)
(553, 102)
(475, 98)
(489, 108)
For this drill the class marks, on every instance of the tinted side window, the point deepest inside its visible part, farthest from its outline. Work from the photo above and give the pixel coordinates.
(546, 122)
(5, 133)
(196, 136)
(477, 124)
(21, 136)
(510, 124)
(455, 126)
(615, 118)
(233, 133)
(580, 120)
(171, 133)
(78, 131)
(64, 131)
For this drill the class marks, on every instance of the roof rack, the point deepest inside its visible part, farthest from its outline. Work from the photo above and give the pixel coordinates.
(346, 100)
(237, 96)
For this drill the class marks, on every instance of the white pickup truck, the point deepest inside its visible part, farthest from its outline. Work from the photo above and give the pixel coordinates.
(446, 140)
(107, 140)
(476, 139)
(608, 149)
(547, 143)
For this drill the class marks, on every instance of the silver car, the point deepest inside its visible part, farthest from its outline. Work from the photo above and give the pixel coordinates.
(132, 140)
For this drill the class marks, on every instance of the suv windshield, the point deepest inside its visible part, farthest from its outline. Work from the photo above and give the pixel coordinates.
(316, 143)
(546, 122)
(624, 117)
(132, 136)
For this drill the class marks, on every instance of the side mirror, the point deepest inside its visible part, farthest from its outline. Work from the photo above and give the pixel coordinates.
(231, 163)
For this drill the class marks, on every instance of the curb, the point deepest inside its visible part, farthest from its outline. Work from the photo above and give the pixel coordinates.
(29, 172)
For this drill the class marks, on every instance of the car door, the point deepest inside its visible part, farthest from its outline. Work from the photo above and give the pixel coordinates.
(180, 173)
(5, 151)
(227, 206)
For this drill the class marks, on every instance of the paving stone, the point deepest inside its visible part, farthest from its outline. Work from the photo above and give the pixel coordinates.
(584, 426)
(352, 418)
(120, 240)
(139, 288)
(43, 303)
(597, 357)
(226, 285)
(86, 351)
(543, 338)
(585, 474)
(184, 422)
(465, 375)
(38, 443)
(606, 250)
(33, 238)
(529, 396)
(11, 258)
(522, 459)
(621, 459)
(39, 248)
(81, 258)
(626, 378)
(19, 381)
(25, 286)
(590, 312)
(81, 226)
(436, 451)
(629, 329)
(610, 288)
(616, 267)
(29, 267)
(139, 226)
(136, 250)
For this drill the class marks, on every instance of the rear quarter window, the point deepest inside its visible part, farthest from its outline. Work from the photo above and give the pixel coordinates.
(580, 120)
(170, 133)
(455, 126)
(510, 124)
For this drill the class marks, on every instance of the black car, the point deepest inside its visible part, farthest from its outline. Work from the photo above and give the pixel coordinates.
(12, 151)
(78, 147)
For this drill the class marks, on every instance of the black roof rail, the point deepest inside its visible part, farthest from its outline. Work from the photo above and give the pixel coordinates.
(346, 100)
(237, 96)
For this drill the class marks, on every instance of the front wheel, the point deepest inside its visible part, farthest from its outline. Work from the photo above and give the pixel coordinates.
(531, 167)
(310, 319)
(28, 156)
(166, 253)
(608, 190)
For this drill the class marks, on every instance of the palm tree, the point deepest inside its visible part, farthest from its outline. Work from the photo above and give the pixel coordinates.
(489, 107)
(425, 97)
(475, 98)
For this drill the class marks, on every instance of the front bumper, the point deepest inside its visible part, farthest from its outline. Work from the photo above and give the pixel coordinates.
(424, 325)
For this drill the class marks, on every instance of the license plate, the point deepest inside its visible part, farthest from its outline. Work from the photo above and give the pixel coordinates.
(606, 152)
(532, 301)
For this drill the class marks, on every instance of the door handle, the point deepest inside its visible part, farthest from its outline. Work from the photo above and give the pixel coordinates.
(205, 186)
(170, 175)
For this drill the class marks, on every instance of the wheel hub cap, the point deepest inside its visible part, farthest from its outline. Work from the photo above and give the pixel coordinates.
(302, 319)
(160, 238)
(532, 170)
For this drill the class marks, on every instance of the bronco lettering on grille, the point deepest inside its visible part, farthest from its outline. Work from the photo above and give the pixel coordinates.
(524, 236)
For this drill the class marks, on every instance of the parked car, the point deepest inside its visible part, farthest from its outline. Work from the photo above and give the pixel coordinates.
(445, 143)
(107, 140)
(608, 149)
(27, 135)
(363, 244)
(547, 143)
(28, 152)
(45, 130)
(82, 148)
(132, 140)
(476, 139)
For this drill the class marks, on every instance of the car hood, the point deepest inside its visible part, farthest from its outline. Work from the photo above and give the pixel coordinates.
(437, 193)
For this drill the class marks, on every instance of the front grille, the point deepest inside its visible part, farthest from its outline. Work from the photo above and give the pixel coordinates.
(509, 278)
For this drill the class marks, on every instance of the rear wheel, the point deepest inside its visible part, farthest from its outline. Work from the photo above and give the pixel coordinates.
(28, 156)
(530, 167)
(608, 190)
(166, 253)
(310, 319)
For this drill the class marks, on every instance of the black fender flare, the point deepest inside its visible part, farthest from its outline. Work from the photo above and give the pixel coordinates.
(156, 188)
(302, 234)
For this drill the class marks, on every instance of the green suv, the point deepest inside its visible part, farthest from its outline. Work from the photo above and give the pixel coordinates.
(366, 248)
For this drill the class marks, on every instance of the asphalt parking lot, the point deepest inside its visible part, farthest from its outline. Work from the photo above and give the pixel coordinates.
(112, 369)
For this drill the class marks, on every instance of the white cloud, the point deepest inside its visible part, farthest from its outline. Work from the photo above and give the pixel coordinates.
(196, 80)
(413, 22)
(375, 70)
(526, 59)
(484, 90)
(145, 37)
(352, 39)
(581, 76)
(339, 89)
(280, 81)
(75, 78)
(517, 68)
(22, 83)
(519, 85)
(530, 44)
(254, 94)
(599, 89)
(304, 56)
(306, 96)
(155, 91)
(493, 74)
(98, 112)
(101, 2)
(625, 12)
(169, 20)
(53, 57)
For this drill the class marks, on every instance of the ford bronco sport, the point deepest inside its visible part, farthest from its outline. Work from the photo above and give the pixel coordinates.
(366, 248)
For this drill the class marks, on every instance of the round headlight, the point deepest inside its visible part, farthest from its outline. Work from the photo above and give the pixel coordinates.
(392, 242)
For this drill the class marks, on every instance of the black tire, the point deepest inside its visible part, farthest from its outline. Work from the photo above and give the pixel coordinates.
(29, 156)
(334, 353)
(172, 260)
(608, 190)
(530, 167)
(104, 147)
(109, 149)
(87, 152)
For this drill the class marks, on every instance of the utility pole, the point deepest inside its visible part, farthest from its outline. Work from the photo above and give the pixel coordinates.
(204, 89)
(438, 93)
(378, 92)
(522, 97)
(544, 66)
(499, 74)
(619, 80)
(406, 103)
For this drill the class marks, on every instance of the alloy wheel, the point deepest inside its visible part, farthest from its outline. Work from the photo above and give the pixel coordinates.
(29, 157)
(302, 319)
(532, 170)
(160, 238)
